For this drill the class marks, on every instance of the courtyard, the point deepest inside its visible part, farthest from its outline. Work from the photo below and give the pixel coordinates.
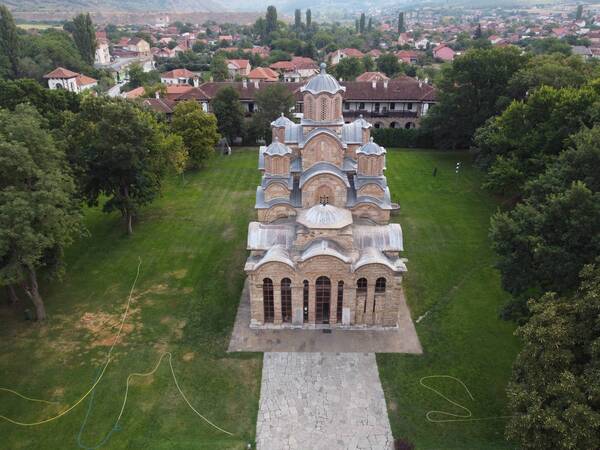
(192, 246)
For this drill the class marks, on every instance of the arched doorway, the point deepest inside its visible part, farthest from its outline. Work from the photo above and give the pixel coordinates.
(394, 125)
(409, 125)
(323, 300)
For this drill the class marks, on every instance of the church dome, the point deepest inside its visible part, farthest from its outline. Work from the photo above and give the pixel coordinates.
(371, 148)
(323, 83)
(325, 216)
(281, 122)
(277, 148)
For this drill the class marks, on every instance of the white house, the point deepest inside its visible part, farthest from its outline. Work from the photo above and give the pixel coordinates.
(102, 56)
(61, 78)
(178, 76)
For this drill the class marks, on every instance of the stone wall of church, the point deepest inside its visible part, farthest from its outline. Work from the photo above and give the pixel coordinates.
(322, 148)
(372, 212)
(371, 190)
(276, 190)
(368, 309)
(324, 185)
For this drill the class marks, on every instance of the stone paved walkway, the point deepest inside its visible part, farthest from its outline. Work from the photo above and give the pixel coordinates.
(314, 401)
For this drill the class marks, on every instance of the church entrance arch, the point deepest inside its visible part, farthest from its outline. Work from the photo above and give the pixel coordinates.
(323, 300)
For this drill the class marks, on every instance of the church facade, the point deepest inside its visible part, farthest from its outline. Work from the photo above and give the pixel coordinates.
(323, 253)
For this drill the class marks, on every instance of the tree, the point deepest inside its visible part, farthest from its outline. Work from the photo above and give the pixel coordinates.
(349, 68)
(368, 63)
(579, 12)
(218, 68)
(549, 45)
(271, 102)
(138, 77)
(370, 25)
(361, 26)
(554, 395)
(229, 112)
(470, 91)
(9, 44)
(120, 152)
(308, 19)
(271, 20)
(38, 211)
(297, 19)
(389, 64)
(84, 36)
(478, 34)
(198, 130)
(518, 144)
(401, 26)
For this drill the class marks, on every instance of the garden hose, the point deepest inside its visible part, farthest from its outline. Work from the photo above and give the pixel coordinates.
(102, 372)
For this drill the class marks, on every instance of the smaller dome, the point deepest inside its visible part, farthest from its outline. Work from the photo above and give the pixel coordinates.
(323, 82)
(277, 148)
(361, 122)
(371, 148)
(325, 216)
(281, 122)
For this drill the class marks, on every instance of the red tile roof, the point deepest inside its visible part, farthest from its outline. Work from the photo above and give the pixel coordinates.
(239, 63)
(263, 73)
(61, 72)
(178, 73)
(370, 76)
(84, 80)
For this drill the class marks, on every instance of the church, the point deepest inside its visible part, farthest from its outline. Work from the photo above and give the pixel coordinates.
(323, 253)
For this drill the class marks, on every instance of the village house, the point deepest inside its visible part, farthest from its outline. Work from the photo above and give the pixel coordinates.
(298, 69)
(336, 56)
(61, 78)
(443, 52)
(179, 76)
(238, 67)
(372, 76)
(102, 55)
(323, 253)
(263, 74)
(139, 46)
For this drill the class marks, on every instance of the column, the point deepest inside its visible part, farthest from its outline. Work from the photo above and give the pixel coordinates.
(257, 311)
(349, 318)
(312, 295)
(297, 305)
(277, 300)
(370, 299)
(333, 303)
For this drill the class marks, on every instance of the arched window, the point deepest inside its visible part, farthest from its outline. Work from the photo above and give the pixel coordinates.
(305, 300)
(286, 300)
(340, 301)
(323, 300)
(408, 125)
(309, 107)
(380, 285)
(394, 125)
(268, 304)
(361, 286)
(323, 108)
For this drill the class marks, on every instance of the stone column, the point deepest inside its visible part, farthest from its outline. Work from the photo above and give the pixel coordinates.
(277, 300)
(257, 311)
(297, 305)
(349, 311)
(370, 298)
(312, 295)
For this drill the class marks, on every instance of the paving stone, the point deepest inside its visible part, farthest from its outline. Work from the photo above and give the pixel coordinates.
(322, 401)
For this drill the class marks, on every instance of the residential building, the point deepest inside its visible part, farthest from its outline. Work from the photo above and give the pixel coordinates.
(61, 78)
(179, 76)
(238, 67)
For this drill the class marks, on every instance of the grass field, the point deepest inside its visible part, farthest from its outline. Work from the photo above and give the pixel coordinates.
(445, 221)
(192, 245)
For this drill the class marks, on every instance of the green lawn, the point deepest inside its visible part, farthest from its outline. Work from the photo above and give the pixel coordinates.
(451, 278)
(192, 245)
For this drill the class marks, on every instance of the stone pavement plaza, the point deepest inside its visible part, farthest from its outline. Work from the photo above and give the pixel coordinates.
(313, 401)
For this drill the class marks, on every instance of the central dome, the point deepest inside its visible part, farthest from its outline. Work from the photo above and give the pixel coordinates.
(323, 83)
(325, 216)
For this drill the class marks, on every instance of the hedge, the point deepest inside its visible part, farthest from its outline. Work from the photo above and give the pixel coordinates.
(401, 137)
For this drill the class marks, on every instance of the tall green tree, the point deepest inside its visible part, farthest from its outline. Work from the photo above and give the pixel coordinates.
(198, 130)
(271, 102)
(579, 12)
(229, 112)
(554, 394)
(9, 45)
(271, 20)
(308, 19)
(349, 68)
(389, 65)
(218, 68)
(38, 212)
(519, 144)
(370, 25)
(297, 19)
(545, 241)
(362, 23)
(84, 36)
(470, 91)
(121, 153)
(401, 26)
(368, 63)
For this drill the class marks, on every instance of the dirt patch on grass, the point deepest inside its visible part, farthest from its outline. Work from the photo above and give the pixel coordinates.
(103, 328)
(189, 356)
(179, 274)
(175, 325)
(228, 233)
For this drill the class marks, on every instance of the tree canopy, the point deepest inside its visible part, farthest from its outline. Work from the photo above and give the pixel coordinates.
(229, 112)
(38, 211)
(271, 102)
(84, 36)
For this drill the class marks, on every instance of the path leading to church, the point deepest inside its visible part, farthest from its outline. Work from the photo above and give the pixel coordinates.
(322, 401)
